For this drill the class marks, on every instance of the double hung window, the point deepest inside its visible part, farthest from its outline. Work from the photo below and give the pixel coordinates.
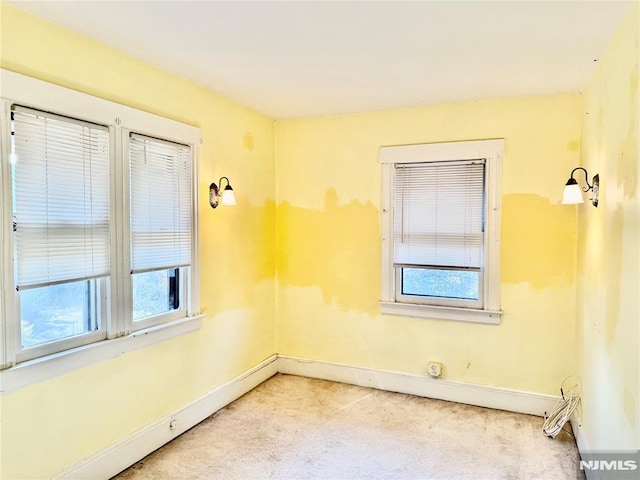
(438, 232)
(440, 239)
(97, 217)
(60, 189)
(161, 225)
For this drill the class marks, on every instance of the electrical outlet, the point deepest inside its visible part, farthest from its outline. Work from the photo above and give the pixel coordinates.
(173, 424)
(434, 369)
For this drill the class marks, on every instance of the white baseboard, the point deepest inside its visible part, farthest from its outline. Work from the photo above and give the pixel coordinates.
(115, 458)
(583, 445)
(471, 394)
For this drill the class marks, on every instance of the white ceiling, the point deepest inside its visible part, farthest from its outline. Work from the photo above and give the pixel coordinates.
(292, 59)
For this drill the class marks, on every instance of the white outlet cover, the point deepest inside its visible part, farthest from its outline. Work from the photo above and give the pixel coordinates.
(435, 369)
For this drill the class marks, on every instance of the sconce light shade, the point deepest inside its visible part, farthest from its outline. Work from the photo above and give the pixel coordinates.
(572, 193)
(227, 197)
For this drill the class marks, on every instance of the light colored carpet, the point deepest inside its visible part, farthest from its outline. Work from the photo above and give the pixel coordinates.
(300, 428)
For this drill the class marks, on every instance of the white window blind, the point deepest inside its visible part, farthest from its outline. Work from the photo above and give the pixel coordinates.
(161, 219)
(61, 198)
(438, 214)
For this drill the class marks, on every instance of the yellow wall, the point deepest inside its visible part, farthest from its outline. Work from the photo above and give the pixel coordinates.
(52, 425)
(609, 249)
(328, 243)
(321, 233)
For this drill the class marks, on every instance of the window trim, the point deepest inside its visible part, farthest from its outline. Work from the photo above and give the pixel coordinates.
(120, 119)
(492, 150)
(7, 301)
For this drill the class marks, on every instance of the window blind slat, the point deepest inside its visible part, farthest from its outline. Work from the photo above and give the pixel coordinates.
(61, 193)
(161, 223)
(439, 214)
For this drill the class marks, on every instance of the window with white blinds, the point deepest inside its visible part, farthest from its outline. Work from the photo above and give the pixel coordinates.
(61, 199)
(98, 231)
(439, 214)
(441, 230)
(161, 204)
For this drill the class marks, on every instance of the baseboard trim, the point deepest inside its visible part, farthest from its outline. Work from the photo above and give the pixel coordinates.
(583, 445)
(471, 394)
(115, 458)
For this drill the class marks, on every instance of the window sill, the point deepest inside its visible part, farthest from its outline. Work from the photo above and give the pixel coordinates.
(44, 368)
(489, 317)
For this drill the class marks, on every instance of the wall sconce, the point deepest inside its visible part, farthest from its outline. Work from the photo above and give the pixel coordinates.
(227, 197)
(572, 193)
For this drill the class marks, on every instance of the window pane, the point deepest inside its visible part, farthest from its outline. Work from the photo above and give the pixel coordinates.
(57, 312)
(457, 284)
(155, 293)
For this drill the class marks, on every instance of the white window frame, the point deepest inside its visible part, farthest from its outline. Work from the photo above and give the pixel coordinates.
(29, 92)
(492, 151)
